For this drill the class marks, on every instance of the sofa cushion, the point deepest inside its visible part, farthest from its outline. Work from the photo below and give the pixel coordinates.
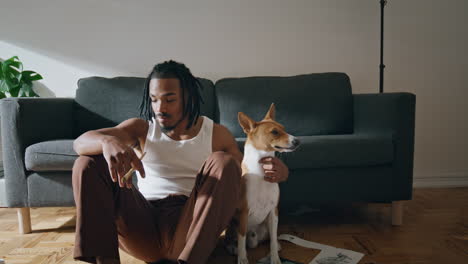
(312, 104)
(105, 102)
(334, 151)
(55, 155)
(314, 152)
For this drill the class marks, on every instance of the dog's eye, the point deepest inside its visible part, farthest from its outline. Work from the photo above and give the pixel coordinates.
(274, 132)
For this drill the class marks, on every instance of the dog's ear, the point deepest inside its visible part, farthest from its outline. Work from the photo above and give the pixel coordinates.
(271, 113)
(245, 122)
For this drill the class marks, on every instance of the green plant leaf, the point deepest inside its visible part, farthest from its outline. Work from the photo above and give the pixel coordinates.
(11, 73)
(3, 86)
(1, 70)
(25, 90)
(14, 82)
(30, 76)
(15, 62)
(11, 82)
(21, 93)
(33, 94)
(12, 68)
(14, 91)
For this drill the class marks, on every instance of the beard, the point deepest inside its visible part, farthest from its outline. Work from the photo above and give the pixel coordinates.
(166, 129)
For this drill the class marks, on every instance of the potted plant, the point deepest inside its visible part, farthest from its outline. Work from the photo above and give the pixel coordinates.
(14, 82)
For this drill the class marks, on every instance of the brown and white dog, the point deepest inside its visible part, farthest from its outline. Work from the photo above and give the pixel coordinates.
(257, 215)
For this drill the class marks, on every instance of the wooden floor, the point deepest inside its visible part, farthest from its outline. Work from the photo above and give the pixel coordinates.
(435, 230)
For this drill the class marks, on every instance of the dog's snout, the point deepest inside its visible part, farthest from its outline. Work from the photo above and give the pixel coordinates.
(296, 142)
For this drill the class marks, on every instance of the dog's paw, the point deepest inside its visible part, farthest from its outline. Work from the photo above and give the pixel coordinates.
(252, 239)
(231, 248)
(243, 260)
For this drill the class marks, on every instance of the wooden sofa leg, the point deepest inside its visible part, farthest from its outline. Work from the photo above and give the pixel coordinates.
(397, 213)
(24, 220)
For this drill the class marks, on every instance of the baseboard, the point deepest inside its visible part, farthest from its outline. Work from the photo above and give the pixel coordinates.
(441, 180)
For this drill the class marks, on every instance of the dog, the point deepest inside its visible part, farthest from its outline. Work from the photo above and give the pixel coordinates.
(257, 213)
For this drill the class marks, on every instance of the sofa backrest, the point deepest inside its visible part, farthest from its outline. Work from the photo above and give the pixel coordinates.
(105, 102)
(311, 104)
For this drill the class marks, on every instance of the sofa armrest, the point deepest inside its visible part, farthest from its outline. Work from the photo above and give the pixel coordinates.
(392, 113)
(26, 121)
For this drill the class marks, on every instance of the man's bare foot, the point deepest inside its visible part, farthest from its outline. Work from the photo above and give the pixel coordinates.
(107, 260)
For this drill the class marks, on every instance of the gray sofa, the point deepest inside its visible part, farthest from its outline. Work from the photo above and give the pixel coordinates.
(355, 147)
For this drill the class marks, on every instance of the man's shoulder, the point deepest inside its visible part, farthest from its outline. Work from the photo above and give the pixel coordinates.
(136, 129)
(135, 126)
(223, 140)
(134, 121)
(220, 130)
(222, 137)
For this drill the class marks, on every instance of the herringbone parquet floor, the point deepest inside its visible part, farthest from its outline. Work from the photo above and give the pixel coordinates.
(435, 230)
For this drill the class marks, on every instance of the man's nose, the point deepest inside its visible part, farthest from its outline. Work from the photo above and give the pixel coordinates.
(161, 107)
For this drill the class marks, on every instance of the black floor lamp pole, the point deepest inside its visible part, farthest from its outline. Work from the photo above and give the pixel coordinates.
(382, 66)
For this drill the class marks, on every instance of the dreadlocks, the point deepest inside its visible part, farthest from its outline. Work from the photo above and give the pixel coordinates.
(189, 84)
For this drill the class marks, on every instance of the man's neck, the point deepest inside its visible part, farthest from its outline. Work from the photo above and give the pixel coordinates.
(181, 133)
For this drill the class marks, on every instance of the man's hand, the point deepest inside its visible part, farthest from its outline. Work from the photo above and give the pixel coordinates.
(120, 159)
(275, 170)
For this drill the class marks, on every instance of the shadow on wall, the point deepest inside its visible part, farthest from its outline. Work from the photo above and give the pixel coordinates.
(42, 90)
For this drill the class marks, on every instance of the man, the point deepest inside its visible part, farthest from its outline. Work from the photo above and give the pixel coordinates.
(188, 180)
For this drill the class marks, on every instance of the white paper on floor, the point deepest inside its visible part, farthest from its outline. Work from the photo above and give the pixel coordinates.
(327, 255)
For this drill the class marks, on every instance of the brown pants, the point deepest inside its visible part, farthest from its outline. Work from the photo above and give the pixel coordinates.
(175, 228)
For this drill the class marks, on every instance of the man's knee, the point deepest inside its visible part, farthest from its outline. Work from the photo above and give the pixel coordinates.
(83, 163)
(86, 165)
(225, 168)
(225, 162)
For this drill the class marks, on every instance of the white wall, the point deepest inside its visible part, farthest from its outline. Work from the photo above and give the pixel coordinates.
(59, 76)
(426, 54)
(424, 51)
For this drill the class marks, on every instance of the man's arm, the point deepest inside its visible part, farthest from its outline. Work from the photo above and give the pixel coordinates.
(223, 140)
(115, 144)
(128, 133)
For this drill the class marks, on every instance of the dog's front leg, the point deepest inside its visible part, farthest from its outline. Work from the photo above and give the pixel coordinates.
(241, 240)
(273, 229)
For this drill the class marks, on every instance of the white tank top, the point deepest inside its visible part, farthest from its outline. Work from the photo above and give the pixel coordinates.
(171, 166)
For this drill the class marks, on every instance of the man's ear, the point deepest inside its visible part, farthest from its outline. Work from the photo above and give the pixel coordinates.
(271, 112)
(245, 122)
